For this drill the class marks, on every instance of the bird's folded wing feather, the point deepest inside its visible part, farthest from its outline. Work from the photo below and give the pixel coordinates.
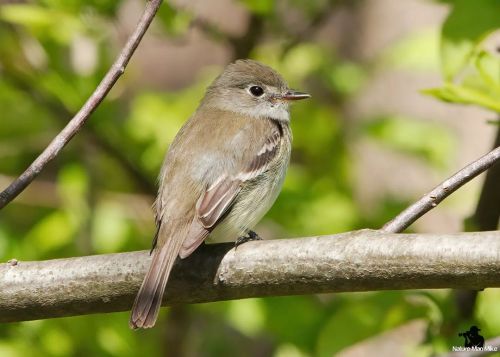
(218, 198)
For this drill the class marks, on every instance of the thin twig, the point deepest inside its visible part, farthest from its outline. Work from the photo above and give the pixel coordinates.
(439, 193)
(75, 124)
(354, 261)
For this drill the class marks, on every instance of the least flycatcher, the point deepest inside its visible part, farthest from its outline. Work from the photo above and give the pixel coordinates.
(222, 172)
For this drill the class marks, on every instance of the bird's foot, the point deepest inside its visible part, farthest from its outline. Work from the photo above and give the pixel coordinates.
(250, 235)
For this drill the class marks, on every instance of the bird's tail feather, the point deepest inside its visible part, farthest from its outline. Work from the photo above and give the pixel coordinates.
(148, 300)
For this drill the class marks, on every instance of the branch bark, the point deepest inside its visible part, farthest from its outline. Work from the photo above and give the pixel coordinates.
(354, 261)
(443, 190)
(76, 123)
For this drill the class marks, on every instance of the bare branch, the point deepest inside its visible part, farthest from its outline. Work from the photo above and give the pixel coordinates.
(439, 193)
(354, 261)
(75, 124)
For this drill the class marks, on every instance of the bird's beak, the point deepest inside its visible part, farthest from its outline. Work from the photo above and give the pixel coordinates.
(294, 95)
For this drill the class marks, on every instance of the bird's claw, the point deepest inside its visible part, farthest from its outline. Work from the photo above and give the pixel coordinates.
(251, 235)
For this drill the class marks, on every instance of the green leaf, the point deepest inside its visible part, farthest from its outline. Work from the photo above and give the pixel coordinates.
(488, 66)
(468, 23)
(461, 94)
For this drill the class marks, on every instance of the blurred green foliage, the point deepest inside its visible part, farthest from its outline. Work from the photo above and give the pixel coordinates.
(94, 198)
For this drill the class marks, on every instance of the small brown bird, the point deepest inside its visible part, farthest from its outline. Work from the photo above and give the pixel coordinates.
(222, 172)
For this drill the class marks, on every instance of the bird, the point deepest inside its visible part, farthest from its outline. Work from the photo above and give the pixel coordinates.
(221, 174)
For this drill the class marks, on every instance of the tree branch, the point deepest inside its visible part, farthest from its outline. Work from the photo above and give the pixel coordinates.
(354, 261)
(439, 193)
(75, 124)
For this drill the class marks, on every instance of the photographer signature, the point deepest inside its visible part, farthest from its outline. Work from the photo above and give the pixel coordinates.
(472, 337)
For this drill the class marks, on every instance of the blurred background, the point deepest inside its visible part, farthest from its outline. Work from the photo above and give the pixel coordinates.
(404, 94)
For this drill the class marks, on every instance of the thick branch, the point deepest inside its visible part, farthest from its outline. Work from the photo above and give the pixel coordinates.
(354, 261)
(75, 124)
(443, 190)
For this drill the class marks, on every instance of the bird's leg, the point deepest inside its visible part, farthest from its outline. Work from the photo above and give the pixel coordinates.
(250, 235)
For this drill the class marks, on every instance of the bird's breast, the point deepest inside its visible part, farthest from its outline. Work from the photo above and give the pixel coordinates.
(256, 198)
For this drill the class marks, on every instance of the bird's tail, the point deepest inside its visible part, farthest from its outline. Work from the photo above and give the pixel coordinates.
(148, 300)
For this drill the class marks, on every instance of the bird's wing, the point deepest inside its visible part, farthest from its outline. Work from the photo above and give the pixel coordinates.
(219, 197)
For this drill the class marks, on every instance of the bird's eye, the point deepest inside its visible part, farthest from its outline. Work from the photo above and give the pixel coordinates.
(256, 91)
